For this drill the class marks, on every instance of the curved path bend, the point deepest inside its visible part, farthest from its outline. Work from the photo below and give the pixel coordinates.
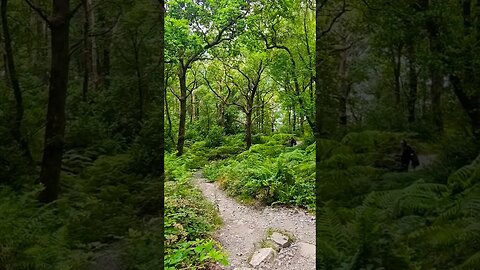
(244, 228)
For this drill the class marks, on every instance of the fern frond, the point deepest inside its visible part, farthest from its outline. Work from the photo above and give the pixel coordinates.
(465, 177)
(473, 262)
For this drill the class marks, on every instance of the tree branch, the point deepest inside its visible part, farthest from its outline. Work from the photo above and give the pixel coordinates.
(39, 11)
(173, 92)
(334, 20)
(75, 9)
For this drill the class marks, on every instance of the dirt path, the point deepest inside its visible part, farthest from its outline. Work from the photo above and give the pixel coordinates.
(109, 258)
(245, 227)
(426, 160)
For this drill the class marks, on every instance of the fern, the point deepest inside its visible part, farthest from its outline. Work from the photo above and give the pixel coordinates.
(465, 177)
(473, 262)
(335, 238)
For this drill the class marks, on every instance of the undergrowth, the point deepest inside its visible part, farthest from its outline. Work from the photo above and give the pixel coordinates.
(269, 172)
(375, 218)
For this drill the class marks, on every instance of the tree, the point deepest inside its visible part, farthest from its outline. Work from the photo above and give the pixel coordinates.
(462, 74)
(274, 31)
(14, 84)
(160, 167)
(251, 75)
(211, 24)
(91, 74)
(220, 88)
(318, 107)
(59, 24)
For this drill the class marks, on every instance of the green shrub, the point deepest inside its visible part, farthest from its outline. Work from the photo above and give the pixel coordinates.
(189, 221)
(33, 237)
(214, 137)
(271, 173)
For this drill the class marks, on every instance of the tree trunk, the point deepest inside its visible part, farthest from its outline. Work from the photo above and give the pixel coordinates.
(14, 83)
(470, 103)
(38, 42)
(141, 93)
(87, 58)
(469, 100)
(318, 112)
(207, 112)
(106, 65)
(90, 50)
(183, 110)
(273, 121)
(221, 112)
(412, 81)
(248, 129)
(436, 96)
(262, 117)
(289, 117)
(93, 44)
(169, 120)
(436, 75)
(344, 90)
(192, 108)
(397, 67)
(55, 128)
(294, 119)
(318, 98)
(159, 166)
(343, 112)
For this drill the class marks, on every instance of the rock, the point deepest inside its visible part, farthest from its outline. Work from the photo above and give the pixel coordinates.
(307, 250)
(280, 239)
(244, 268)
(261, 255)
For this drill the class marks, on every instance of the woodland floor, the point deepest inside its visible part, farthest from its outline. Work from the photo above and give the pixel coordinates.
(244, 228)
(109, 258)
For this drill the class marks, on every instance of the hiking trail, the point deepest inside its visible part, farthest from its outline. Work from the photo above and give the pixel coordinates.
(245, 227)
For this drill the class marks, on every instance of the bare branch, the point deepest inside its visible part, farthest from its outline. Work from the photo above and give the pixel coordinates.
(117, 19)
(75, 9)
(173, 92)
(39, 11)
(334, 20)
(242, 107)
(75, 47)
(370, 6)
(210, 87)
(219, 38)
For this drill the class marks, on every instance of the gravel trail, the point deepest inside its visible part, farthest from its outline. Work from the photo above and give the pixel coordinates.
(246, 226)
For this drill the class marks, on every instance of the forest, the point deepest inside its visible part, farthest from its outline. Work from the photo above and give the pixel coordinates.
(193, 134)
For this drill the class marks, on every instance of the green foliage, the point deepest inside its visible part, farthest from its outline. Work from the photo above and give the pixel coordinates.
(201, 153)
(458, 149)
(143, 246)
(369, 141)
(195, 255)
(214, 137)
(33, 237)
(147, 150)
(465, 177)
(189, 220)
(101, 202)
(270, 173)
(403, 223)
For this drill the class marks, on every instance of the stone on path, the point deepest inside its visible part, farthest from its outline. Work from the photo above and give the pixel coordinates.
(280, 239)
(261, 255)
(307, 250)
